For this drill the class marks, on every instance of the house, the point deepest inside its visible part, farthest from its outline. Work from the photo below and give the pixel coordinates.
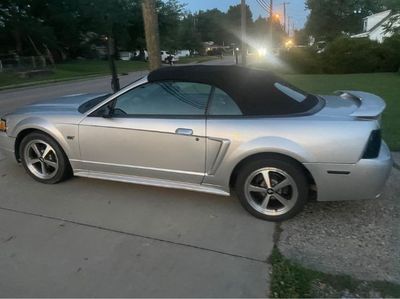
(374, 26)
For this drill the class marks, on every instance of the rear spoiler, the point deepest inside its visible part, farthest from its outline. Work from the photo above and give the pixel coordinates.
(369, 105)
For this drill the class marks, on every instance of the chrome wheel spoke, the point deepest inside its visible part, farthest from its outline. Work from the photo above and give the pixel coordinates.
(282, 200)
(253, 188)
(265, 202)
(51, 163)
(33, 160)
(43, 167)
(36, 150)
(281, 185)
(47, 150)
(267, 178)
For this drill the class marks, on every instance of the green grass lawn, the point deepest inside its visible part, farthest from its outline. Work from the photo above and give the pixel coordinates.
(386, 85)
(74, 69)
(291, 280)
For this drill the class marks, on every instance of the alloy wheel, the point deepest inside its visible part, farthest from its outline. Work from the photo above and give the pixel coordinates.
(271, 191)
(41, 159)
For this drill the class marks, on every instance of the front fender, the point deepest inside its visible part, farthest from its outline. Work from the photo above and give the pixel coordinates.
(40, 124)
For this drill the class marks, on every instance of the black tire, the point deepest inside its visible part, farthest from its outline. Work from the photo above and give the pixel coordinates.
(63, 170)
(297, 175)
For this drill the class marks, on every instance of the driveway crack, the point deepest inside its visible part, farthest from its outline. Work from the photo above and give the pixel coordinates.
(131, 234)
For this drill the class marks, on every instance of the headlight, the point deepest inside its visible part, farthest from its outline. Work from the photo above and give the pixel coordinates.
(3, 125)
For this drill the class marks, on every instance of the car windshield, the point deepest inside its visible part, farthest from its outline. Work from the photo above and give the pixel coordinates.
(85, 107)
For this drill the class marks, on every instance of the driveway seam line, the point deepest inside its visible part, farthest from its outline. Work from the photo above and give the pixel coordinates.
(131, 234)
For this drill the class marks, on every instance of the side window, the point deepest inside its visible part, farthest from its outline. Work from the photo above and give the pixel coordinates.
(223, 105)
(164, 98)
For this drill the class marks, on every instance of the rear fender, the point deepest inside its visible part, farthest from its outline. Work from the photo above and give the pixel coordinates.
(262, 145)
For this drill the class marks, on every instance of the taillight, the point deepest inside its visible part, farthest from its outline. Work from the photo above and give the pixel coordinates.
(374, 145)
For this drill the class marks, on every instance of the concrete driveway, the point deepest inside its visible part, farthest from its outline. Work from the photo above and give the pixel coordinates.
(94, 238)
(85, 238)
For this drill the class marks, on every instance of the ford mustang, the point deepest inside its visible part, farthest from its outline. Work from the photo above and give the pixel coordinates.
(215, 129)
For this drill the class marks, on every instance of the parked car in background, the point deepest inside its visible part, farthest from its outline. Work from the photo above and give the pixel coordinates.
(125, 56)
(214, 129)
(165, 56)
(183, 53)
(142, 55)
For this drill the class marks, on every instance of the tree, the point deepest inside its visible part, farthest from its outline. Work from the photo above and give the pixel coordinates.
(210, 24)
(331, 18)
(189, 37)
(233, 23)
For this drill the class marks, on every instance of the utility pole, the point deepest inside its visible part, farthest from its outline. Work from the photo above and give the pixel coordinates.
(285, 24)
(271, 23)
(244, 23)
(151, 31)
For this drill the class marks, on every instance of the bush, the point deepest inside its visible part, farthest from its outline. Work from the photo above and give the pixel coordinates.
(302, 60)
(347, 55)
(352, 55)
(391, 56)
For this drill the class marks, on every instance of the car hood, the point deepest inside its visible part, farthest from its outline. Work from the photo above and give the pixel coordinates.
(65, 104)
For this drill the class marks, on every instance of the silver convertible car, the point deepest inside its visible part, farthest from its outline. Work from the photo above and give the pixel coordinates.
(214, 129)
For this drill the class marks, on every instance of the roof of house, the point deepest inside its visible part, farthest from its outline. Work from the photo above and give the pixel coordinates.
(253, 90)
(380, 18)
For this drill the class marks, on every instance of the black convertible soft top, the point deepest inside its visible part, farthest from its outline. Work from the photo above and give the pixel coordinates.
(254, 91)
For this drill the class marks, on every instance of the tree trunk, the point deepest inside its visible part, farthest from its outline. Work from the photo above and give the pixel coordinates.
(152, 35)
(18, 41)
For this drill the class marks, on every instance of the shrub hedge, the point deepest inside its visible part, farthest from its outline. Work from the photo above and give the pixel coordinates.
(347, 55)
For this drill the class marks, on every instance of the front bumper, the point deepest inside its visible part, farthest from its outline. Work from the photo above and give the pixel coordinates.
(7, 145)
(364, 180)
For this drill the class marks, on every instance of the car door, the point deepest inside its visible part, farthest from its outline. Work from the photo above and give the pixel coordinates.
(156, 130)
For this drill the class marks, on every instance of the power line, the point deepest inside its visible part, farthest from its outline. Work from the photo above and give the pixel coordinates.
(264, 5)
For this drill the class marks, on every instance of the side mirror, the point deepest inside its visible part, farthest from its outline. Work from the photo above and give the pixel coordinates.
(109, 113)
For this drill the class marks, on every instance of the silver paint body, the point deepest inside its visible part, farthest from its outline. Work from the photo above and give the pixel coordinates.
(159, 152)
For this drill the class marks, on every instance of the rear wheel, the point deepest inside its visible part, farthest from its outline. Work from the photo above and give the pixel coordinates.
(272, 189)
(43, 159)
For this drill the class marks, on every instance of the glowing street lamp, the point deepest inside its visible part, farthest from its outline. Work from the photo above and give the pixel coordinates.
(289, 43)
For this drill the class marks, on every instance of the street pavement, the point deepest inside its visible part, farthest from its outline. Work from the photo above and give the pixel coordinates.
(14, 98)
(92, 238)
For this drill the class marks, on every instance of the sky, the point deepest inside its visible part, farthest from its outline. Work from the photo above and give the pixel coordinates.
(296, 8)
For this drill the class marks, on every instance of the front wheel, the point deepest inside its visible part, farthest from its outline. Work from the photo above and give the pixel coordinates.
(272, 189)
(43, 159)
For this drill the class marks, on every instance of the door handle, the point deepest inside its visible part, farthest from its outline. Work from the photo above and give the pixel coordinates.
(183, 131)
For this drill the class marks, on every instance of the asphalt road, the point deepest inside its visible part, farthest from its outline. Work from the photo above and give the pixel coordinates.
(91, 238)
(14, 98)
